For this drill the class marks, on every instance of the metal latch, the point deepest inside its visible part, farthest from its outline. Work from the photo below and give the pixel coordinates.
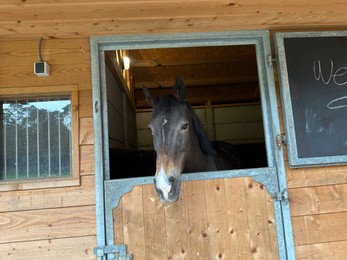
(120, 251)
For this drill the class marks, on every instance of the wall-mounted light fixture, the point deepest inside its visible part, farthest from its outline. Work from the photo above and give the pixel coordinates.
(126, 63)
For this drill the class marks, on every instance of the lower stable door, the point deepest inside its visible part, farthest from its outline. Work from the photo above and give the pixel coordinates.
(213, 219)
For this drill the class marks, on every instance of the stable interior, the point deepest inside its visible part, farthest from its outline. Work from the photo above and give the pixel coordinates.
(222, 86)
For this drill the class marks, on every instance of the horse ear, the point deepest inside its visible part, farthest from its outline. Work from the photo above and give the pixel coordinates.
(180, 89)
(151, 98)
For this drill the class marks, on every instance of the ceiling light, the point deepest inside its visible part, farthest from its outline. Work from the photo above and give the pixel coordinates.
(126, 62)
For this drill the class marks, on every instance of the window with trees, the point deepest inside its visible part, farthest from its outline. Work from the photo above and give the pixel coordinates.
(38, 137)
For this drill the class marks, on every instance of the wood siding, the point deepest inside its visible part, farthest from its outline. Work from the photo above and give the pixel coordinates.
(317, 195)
(51, 223)
(121, 115)
(28, 18)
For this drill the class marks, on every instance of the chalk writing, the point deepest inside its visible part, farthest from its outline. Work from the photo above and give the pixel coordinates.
(314, 124)
(334, 104)
(338, 76)
(335, 75)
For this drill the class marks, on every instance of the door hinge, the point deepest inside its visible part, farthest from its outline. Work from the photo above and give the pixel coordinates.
(281, 196)
(270, 61)
(281, 139)
(120, 251)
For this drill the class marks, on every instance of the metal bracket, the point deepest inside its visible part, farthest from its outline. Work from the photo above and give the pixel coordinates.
(112, 249)
(281, 196)
(281, 139)
(270, 61)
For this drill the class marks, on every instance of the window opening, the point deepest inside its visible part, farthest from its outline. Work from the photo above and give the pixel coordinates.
(35, 138)
(222, 87)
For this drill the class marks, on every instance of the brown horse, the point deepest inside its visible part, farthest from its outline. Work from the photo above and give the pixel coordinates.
(181, 143)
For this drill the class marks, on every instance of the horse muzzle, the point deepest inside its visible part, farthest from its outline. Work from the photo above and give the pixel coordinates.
(168, 188)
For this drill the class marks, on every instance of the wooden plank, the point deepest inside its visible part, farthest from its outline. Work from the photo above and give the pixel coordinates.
(49, 198)
(118, 224)
(176, 228)
(54, 51)
(313, 229)
(60, 74)
(67, 248)
(143, 119)
(144, 138)
(114, 92)
(87, 159)
(316, 176)
(190, 56)
(133, 222)
(62, 2)
(112, 26)
(121, 10)
(271, 223)
(237, 219)
(238, 114)
(318, 200)
(237, 131)
(38, 91)
(33, 184)
(47, 224)
(333, 250)
(85, 104)
(197, 220)
(154, 223)
(115, 125)
(217, 228)
(218, 94)
(219, 73)
(86, 131)
(260, 242)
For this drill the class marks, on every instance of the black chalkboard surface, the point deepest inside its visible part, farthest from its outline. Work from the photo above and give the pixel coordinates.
(313, 75)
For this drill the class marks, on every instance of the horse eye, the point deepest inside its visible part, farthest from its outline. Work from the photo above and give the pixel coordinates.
(184, 126)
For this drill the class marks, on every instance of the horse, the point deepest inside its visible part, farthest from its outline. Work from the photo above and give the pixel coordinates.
(181, 143)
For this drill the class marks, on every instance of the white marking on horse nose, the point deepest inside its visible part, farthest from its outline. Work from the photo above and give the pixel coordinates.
(162, 130)
(163, 183)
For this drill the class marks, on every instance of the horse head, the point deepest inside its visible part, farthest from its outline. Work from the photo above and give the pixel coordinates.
(172, 126)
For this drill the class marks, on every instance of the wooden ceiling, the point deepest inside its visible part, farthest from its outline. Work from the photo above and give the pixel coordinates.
(215, 75)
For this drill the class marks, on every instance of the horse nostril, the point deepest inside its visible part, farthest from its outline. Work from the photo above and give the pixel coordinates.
(172, 180)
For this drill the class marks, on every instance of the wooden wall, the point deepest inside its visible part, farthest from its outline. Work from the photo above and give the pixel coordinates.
(121, 115)
(52, 223)
(31, 224)
(317, 197)
(318, 202)
(80, 18)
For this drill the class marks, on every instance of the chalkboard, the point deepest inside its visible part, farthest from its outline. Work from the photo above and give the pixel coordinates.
(313, 82)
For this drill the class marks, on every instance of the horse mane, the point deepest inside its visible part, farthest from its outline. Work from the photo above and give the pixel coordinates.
(205, 145)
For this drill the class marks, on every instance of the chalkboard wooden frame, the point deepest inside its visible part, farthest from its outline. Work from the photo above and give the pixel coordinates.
(307, 76)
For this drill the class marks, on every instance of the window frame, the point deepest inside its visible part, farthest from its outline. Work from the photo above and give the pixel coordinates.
(54, 181)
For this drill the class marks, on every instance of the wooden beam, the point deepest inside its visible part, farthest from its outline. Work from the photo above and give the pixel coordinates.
(238, 93)
(191, 56)
(207, 74)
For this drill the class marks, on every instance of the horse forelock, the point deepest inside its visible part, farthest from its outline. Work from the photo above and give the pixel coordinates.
(164, 105)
